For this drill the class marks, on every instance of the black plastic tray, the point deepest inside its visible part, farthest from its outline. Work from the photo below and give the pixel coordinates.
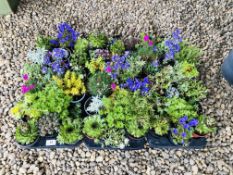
(49, 142)
(156, 141)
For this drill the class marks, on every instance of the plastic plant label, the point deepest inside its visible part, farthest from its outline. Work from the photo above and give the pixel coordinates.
(50, 142)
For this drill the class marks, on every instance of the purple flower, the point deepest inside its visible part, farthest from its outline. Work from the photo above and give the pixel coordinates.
(186, 126)
(183, 134)
(183, 120)
(155, 49)
(176, 35)
(155, 63)
(44, 70)
(25, 77)
(146, 38)
(54, 42)
(193, 122)
(58, 53)
(47, 60)
(175, 130)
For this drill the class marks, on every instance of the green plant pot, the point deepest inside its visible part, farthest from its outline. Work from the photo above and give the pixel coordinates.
(8, 6)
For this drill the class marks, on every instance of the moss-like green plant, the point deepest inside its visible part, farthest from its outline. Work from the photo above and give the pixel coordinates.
(97, 40)
(188, 53)
(186, 70)
(138, 127)
(94, 127)
(95, 65)
(99, 84)
(26, 133)
(80, 55)
(71, 84)
(177, 107)
(161, 126)
(70, 131)
(43, 42)
(117, 47)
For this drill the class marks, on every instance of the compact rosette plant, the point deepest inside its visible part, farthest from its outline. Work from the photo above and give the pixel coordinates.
(154, 87)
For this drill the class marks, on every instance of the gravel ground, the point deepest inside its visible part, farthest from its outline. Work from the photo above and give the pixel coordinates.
(209, 25)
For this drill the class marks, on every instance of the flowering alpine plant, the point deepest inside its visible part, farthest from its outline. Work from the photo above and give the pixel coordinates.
(184, 130)
(151, 83)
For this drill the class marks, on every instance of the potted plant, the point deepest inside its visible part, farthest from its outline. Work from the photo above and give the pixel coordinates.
(97, 40)
(161, 126)
(226, 68)
(70, 131)
(99, 84)
(72, 85)
(27, 133)
(93, 105)
(117, 47)
(204, 127)
(94, 127)
(80, 55)
(95, 64)
(182, 133)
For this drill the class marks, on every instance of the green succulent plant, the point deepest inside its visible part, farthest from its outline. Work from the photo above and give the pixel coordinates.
(26, 133)
(117, 47)
(70, 131)
(161, 126)
(94, 127)
(99, 84)
(97, 40)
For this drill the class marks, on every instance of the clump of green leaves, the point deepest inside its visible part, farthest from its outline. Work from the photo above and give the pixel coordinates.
(177, 107)
(43, 42)
(186, 70)
(94, 127)
(188, 53)
(117, 47)
(26, 133)
(97, 40)
(204, 127)
(99, 84)
(161, 126)
(70, 131)
(80, 55)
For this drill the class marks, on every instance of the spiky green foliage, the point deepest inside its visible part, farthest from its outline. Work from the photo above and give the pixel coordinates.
(70, 131)
(97, 40)
(161, 126)
(26, 133)
(43, 42)
(177, 107)
(94, 127)
(117, 47)
(188, 53)
(99, 84)
(203, 127)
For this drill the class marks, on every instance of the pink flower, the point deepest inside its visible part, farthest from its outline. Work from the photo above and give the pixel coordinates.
(146, 38)
(150, 43)
(32, 86)
(25, 77)
(24, 89)
(113, 86)
(108, 69)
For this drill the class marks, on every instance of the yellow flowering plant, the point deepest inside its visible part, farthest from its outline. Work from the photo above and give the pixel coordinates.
(71, 84)
(95, 64)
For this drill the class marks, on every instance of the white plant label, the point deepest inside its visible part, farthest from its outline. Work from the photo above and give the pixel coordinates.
(50, 142)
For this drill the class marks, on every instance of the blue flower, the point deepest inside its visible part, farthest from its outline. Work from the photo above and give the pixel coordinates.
(46, 60)
(58, 53)
(193, 122)
(54, 42)
(183, 120)
(175, 130)
(183, 134)
(155, 63)
(44, 70)
(176, 35)
(186, 126)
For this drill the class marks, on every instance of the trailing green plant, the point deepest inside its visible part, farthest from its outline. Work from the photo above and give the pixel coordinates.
(161, 126)
(97, 40)
(70, 131)
(117, 47)
(176, 107)
(188, 53)
(99, 84)
(115, 138)
(43, 42)
(94, 127)
(95, 65)
(80, 55)
(26, 133)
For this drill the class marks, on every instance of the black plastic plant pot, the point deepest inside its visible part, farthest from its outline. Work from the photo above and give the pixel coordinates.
(136, 143)
(86, 104)
(29, 145)
(78, 99)
(50, 142)
(227, 68)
